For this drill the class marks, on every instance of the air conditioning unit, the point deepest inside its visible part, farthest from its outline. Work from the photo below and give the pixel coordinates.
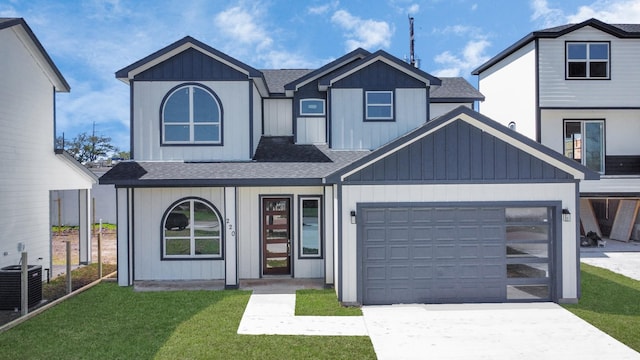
(10, 289)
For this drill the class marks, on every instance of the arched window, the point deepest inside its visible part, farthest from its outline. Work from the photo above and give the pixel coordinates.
(191, 114)
(191, 228)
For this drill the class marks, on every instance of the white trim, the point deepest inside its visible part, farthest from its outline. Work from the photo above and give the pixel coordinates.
(371, 61)
(146, 66)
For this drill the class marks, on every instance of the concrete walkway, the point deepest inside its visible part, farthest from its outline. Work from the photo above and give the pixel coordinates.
(273, 314)
(461, 331)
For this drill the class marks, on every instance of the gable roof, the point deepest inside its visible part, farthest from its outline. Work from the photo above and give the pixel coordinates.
(354, 55)
(531, 161)
(617, 30)
(40, 54)
(126, 74)
(385, 57)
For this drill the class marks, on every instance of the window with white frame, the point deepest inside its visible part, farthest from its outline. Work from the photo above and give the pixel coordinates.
(310, 227)
(312, 107)
(379, 105)
(191, 114)
(584, 142)
(191, 229)
(587, 60)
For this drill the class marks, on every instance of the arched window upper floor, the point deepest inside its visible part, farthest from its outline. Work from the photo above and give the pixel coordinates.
(191, 114)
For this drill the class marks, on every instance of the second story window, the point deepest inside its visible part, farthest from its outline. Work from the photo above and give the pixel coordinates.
(191, 115)
(379, 105)
(312, 107)
(584, 142)
(587, 60)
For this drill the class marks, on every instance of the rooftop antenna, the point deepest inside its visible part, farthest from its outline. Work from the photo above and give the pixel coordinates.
(412, 58)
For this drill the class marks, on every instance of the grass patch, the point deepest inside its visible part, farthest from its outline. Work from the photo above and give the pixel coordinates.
(112, 322)
(610, 302)
(322, 303)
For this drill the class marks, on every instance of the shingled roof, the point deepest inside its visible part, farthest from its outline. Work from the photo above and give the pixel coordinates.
(254, 173)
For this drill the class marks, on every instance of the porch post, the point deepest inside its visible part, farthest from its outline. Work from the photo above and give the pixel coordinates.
(84, 225)
(230, 239)
(123, 218)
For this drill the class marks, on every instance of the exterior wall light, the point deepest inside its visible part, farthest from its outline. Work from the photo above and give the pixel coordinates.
(566, 215)
(353, 216)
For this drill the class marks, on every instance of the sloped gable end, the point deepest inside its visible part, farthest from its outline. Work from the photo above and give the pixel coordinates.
(459, 152)
(379, 75)
(191, 65)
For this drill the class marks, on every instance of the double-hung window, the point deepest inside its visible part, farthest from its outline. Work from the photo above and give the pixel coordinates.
(379, 105)
(588, 60)
(584, 142)
(191, 114)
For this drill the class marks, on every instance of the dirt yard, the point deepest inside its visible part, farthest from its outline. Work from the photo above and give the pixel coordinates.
(108, 243)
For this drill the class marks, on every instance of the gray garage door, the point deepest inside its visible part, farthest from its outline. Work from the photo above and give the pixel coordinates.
(416, 254)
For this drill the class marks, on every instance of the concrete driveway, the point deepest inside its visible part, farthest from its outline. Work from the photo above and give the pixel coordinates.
(487, 331)
(459, 331)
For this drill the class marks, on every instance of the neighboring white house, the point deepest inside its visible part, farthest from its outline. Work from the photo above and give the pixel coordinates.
(340, 173)
(31, 168)
(574, 88)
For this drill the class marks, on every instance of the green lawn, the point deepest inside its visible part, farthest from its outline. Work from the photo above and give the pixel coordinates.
(611, 302)
(322, 303)
(111, 322)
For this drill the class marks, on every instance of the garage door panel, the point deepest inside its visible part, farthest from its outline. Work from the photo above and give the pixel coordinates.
(374, 234)
(422, 272)
(399, 252)
(422, 252)
(374, 253)
(398, 234)
(398, 216)
(399, 272)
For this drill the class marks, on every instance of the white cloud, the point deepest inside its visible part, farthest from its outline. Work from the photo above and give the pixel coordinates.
(620, 12)
(610, 11)
(461, 64)
(240, 25)
(365, 33)
(322, 9)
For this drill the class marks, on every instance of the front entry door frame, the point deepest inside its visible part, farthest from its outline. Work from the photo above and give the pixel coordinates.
(276, 234)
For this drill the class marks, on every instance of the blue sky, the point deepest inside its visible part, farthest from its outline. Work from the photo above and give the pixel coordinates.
(90, 40)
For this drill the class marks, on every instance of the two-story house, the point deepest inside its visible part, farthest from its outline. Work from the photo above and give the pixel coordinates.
(574, 88)
(31, 168)
(368, 173)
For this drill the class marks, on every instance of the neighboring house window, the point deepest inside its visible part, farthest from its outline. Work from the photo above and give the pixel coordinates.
(310, 227)
(379, 105)
(191, 114)
(584, 142)
(588, 60)
(312, 107)
(191, 229)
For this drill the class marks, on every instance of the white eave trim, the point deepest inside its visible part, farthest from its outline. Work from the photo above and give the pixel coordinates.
(371, 61)
(146, 66)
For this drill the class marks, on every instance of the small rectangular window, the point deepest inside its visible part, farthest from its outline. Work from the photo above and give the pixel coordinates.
(587, 60)
(314, 107)
(310, 227)
(379, 105)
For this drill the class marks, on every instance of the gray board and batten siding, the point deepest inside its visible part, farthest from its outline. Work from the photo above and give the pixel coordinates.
(458, 152)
